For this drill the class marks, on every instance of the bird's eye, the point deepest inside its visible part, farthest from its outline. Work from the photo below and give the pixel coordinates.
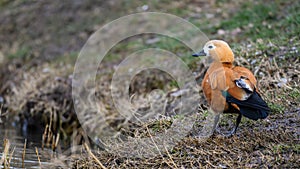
(210, 47)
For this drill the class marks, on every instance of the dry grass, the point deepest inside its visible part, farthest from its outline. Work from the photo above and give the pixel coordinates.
(269, 143)
(273, 142)
(42, 99)
(7, 154)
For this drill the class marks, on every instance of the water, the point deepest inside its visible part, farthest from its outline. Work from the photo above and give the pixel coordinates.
(17, 143)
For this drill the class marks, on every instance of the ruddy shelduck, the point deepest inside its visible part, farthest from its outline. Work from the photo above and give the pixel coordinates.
(229, 88)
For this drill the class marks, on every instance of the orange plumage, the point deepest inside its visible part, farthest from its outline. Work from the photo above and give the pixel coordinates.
(230, 88)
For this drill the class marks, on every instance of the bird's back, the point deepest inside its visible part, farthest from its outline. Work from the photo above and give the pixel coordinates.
(233, 88)
(220, 77)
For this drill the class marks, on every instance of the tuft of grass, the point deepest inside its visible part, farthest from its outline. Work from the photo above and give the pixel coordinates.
(295, 93)
(160, 125)
(276, 108)
(21, 53)
(284, 148)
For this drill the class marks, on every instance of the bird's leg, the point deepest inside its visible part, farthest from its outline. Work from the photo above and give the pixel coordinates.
(216, 121)
(238, 121)
(210, 124)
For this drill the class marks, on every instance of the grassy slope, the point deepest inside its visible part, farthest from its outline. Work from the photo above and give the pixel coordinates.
(267, 43)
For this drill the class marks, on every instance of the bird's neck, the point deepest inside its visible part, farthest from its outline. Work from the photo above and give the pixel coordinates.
(227, 64)
(224, 64)
(216, 65)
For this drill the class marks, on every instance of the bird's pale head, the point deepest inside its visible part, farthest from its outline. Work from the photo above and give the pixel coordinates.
(217, 49)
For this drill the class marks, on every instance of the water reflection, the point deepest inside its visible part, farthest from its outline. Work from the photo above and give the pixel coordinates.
(17, 147)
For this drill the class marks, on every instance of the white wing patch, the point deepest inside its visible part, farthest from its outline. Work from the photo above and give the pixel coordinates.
(241, 83)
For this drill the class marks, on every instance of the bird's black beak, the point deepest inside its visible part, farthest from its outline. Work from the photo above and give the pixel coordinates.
(201, 53)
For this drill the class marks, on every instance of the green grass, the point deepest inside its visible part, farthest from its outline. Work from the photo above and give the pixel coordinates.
(21, 53)
(284, 148)
(276, 108)
(133, 44)
(272, 21)
(292, 19)
(3, 3)
(249, 13)
(265, 20)
(159, 125)
(295, 94)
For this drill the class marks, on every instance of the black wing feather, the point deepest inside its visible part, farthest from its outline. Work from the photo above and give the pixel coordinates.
(254, 107)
